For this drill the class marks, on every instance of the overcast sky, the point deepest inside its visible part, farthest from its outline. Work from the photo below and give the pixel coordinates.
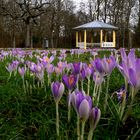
(77, 3)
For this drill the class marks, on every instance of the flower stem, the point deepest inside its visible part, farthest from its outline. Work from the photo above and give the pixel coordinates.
(69, 107)
(106, 94)
(48, 80)
(133, 93)
(95, 86)
(98, 97)
(123, 105)
(24, 85)
(57, 120)
(83, 130)
(82, 85)
(126, 84)
(88, 86)
(90, 134)
(78, 127)
(77, 84)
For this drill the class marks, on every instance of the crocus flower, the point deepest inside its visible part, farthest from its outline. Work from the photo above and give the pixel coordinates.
(69, 81)
(88, 71)
(127, 62)
(121, 93)
(49, 68)
(57, 90)
(47, 60)
(84, 110)
(58, 70)
(10, 68)
(38, 68)
(128, 59)
(82, 104)
(82, 73)
(95, 115)
(134, 75)
(108, 64)
(21, 71)
(77, 67)
(97, 63)
(98, 78)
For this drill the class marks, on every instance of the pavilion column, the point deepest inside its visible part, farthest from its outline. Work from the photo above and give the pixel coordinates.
(85, 39)
(114, 38)
(80, 39)
(105, 36)
(76, 38)
(101, 37)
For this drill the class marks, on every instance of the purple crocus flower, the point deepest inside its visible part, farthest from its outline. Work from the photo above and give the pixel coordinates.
(57, 90)
(49, 68)
(32, 66)
(58, 70)
(88, 71)
(82, 104)
(98, 78)
(77, 67)
(84, 110)
(127, 62)
(69, 81)
(62, 65)
(95, 115)
(134, 75)
(38, 68)
(121, 93)
(10, 68)
(82, 75)
(108, 64)
(21, 71)
(130, 68)
(47, 60)
(128, 59)
(97, 63)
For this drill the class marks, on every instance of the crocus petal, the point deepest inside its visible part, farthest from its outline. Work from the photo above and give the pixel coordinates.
(98, 65)
(131, 58)
(57, 90)
(123, 54)
(61, 90)
(77, 67)
(95, 115)
(65, 80)
(72, 99)
(69, 81)
(51, 59)
(132, 77)
(84, 110)
(79, 98)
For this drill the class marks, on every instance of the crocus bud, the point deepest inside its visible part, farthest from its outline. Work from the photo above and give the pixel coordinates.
(57, 90)
(82, 104)
(95, 115)
(21, 71)
(84, 110)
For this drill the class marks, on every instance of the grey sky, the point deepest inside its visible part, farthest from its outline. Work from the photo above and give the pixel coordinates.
(77, 2)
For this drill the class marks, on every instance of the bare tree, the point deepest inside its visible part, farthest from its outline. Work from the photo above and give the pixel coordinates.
(30, 11)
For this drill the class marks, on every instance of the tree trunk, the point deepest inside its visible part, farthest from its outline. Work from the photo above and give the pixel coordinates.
(28, 35)
(14, 38)
(98, 9)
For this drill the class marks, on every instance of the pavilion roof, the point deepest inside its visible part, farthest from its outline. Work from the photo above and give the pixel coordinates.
(96, 25)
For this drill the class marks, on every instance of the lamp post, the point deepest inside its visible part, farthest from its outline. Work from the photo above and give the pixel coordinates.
(52, 40)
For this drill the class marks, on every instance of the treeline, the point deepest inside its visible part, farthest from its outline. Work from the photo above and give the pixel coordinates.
(28, 23)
